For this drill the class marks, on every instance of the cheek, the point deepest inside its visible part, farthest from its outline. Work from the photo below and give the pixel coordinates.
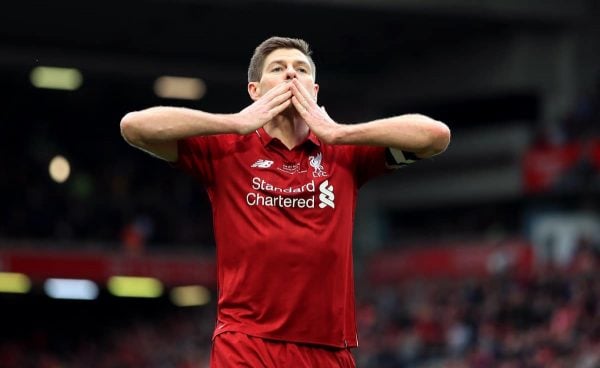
(261, 88)
(311, 89)
(265, 87)
(309, 85)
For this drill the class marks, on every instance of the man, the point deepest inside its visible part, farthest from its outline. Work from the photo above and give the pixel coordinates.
(282, 177)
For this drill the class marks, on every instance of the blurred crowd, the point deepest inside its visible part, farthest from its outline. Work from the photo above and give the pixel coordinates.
(123, 199)
(582, 121)
(549, 319)
(179, 339)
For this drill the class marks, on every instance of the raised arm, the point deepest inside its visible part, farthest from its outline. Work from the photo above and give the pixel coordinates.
(156, 130)
(419, 134)
(416, 133)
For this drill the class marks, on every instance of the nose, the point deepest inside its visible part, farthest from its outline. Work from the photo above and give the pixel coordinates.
(290, 72)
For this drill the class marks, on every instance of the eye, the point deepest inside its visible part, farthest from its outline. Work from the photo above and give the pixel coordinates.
(303, 70)
(276, 68)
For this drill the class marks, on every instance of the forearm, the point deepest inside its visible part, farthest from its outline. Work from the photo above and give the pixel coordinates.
(164, 123)
(416, 133)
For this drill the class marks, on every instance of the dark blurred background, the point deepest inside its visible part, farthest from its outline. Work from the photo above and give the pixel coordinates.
(485, 256)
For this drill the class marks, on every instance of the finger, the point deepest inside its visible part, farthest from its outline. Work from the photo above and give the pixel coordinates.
(297, 94)
(298, 89)
(279, 108)
(303, 95)
(298, 105)
(277, 100)
(279, 89)
(303, 91)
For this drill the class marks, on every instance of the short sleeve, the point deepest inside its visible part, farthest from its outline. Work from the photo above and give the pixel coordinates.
(370, 162)
(195, 157)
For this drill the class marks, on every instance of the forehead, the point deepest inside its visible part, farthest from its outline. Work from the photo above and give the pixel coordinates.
(292, 55)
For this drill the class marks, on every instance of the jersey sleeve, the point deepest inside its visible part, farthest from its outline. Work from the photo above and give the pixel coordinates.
(369, 162)
(373, 161)
(195, 157)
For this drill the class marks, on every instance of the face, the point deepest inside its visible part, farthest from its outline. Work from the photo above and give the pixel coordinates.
(282, 65)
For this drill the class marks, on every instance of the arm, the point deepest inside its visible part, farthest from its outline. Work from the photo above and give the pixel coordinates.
(419, 134)
(156, 130)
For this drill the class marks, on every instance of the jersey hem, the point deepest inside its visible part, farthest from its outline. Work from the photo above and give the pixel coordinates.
(293, 341)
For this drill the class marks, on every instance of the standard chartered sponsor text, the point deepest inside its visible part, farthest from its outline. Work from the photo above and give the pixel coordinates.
(257, 199)
(278, 200)
(261, 184)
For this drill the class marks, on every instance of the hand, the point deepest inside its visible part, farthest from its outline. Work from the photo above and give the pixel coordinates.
(315, 117)
(264, 109)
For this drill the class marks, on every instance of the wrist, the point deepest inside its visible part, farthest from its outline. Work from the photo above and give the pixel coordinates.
(232, 124)
(339, 134)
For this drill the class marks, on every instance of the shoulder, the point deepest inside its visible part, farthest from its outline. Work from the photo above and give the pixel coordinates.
(219, 141)
(354, 151)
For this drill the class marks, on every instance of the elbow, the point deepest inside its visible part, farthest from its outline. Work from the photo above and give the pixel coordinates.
(440, 138)
(438, 141)
(130, 130)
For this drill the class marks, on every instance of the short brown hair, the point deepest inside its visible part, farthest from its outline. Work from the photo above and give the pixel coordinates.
(271, 44)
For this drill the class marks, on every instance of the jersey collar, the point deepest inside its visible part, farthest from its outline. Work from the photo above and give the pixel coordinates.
(266, 139)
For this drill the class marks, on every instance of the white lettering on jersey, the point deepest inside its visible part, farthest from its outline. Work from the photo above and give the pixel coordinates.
(268, 195)
(291, 168)
(261, 184)
(257, 199)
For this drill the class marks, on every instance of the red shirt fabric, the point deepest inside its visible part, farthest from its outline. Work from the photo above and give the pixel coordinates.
(283, 224)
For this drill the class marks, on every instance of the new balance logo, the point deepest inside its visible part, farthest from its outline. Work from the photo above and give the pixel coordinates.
(262, 164)
(326, 197)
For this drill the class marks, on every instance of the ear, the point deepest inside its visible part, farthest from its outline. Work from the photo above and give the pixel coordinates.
(254, 90)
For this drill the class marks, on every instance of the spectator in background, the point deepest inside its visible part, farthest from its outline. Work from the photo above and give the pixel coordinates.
(135, 234)
(583, 120)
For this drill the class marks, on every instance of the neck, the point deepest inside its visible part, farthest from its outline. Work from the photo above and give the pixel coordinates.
(289, 128)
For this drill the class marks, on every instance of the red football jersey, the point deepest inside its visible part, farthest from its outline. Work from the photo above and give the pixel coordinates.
(283, 223)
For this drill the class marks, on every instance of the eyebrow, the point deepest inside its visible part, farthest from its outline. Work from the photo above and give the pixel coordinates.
(281, 61)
